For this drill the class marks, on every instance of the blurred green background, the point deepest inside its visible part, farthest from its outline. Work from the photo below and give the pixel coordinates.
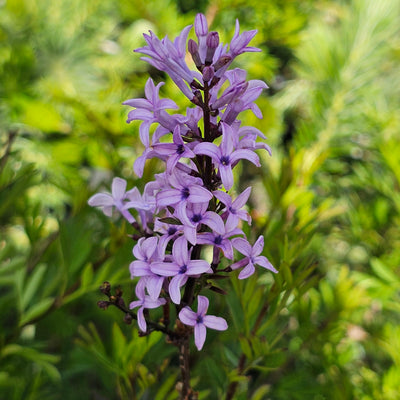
(327, 202)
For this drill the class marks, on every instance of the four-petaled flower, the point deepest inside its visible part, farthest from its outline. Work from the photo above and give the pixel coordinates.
(252, 257)
(116, 199)
(144, 302)
(200, 321)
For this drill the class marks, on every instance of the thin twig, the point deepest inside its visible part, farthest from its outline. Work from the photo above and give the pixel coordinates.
(185, 368)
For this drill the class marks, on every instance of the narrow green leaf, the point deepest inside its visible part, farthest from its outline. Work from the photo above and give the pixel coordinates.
(36, 311)
(32, 285)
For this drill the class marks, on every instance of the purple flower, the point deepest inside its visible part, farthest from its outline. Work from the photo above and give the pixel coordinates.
(180, 268)
(142, 204)
(252, 257)
(168, 232)
(146, 252)
(225, 155)
(174, 151)
(169, 57)
(144, 302)
(221, 240)
(233, 210)
(196, 214)
(185, 189)
(201, 29)
(200, 321)
(239, 42)
(116, 199)
(150, 110)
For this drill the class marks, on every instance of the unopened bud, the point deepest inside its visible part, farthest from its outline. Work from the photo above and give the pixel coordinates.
(208, 73)
(192, 46)
(193, 49)
(197, 99)
(106, 288)
(200, 25)
(128, 318)
(103, 304)
(212, 40)
(212, 43)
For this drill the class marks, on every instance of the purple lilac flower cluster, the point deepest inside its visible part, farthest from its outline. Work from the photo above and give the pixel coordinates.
(189, 207)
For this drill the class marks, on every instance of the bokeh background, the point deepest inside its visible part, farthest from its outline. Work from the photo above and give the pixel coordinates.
(327, 202)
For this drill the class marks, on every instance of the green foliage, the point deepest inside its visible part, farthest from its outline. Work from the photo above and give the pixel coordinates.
(327, 203)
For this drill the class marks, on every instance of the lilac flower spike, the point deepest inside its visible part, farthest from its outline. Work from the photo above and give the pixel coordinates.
(188, 208)
(200, 321)
(252, 257)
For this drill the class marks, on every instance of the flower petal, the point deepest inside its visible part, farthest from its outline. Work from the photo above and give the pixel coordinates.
(200, 333)
(213, 322)
(195, 267)
(168, 197)
(242, 245)
(199, 194)
(187, 316)
(154, 284)
(245, 154)
(241, 200)
(247, 271)
(180, 251)
(118, 188)
(202, 306)
(101, 200)
(208, 149)
(174, 287)
(139, 268)
(141, 320)
(164, 268)
(226, 175)
(263, 262)
(258, 246)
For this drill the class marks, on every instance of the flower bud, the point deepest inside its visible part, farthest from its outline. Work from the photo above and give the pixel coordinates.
(208, 73)
(193, 49)
(128, 318)
(212, 43)
(105, 288)
(103, 304)
(200, 25)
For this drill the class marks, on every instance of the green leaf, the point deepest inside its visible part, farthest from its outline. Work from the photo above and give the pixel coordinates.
(246, 347)
(384, 272)
(36, 311)
(31, 287)
(261, 392)
(87, 276)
